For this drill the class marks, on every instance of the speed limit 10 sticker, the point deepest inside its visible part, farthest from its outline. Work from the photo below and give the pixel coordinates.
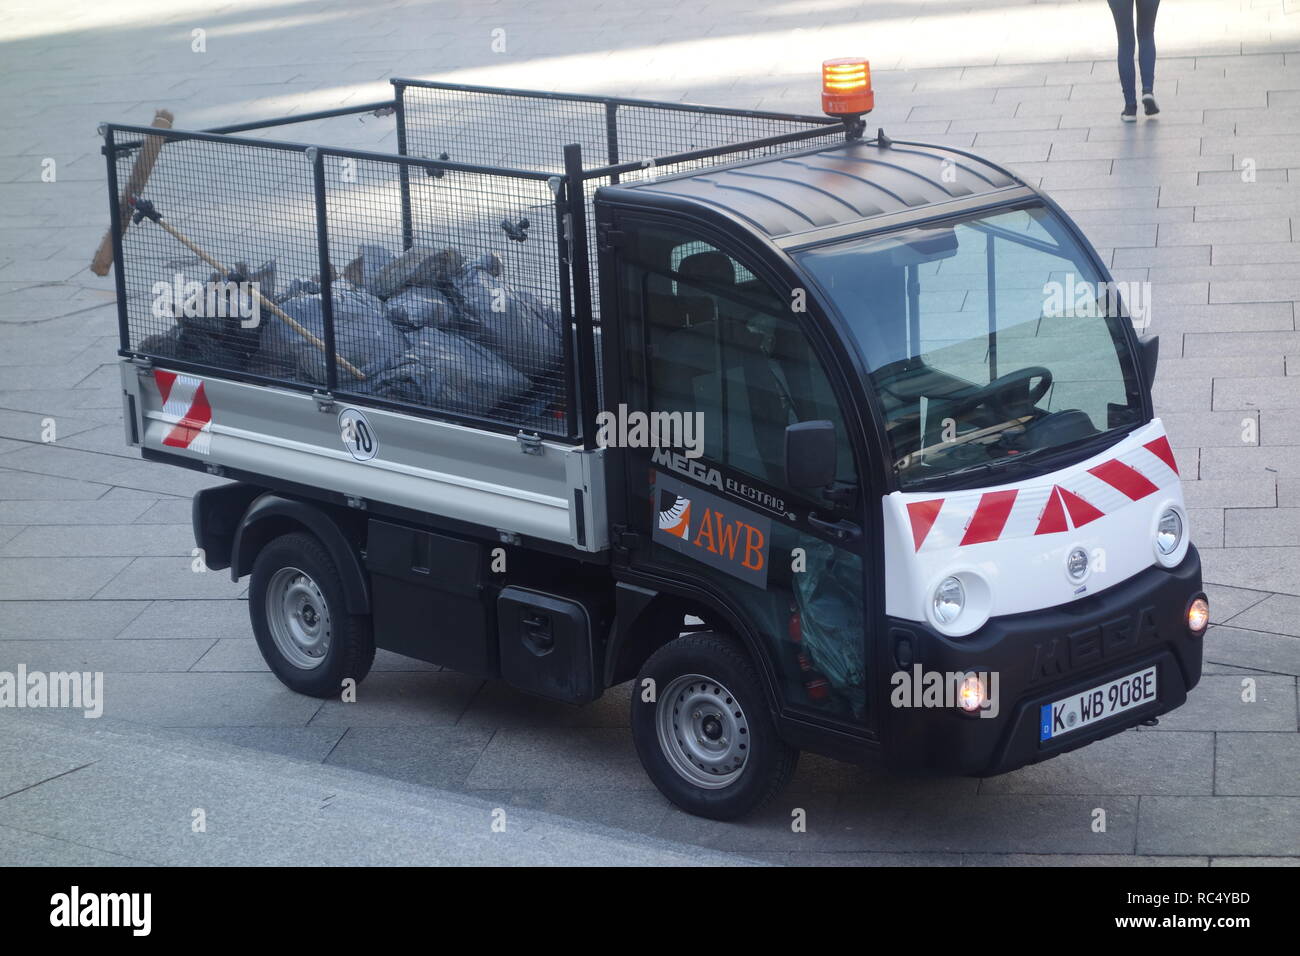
(357, 434)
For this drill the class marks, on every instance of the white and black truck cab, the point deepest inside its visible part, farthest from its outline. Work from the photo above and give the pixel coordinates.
(851, 450)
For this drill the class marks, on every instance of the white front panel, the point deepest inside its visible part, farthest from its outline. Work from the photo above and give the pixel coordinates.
(1016, 537)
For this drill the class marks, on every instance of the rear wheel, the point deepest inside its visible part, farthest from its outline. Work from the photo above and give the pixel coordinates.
(708, 740)
(300, 618)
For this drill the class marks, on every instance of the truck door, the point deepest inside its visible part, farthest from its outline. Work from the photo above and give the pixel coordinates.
(713, 364)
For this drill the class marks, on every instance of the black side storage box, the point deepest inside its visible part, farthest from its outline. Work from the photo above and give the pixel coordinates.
(546, 644)
(426, 597)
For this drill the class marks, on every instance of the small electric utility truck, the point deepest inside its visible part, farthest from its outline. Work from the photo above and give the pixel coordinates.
(826, 441)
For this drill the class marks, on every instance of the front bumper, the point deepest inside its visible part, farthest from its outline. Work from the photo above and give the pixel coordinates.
(1040, 657)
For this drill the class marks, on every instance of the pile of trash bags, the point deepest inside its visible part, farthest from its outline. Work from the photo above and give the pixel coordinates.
(425, 326)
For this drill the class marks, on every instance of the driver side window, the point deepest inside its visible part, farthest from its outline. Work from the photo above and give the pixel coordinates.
(724, 344)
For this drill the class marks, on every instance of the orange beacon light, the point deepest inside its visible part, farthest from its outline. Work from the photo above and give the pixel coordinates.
(846, 87)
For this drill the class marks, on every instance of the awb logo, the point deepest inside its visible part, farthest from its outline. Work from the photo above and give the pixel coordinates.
(675, 515)
(74, 908)
(713, 530)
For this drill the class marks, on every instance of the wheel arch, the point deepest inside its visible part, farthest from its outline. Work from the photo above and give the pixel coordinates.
(271, 515)
(646, 619)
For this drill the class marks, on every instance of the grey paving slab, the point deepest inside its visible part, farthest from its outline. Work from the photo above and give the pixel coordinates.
(216, 619)
(1016, 823)
(108, 656)
(1259, 527)
(1274, 613)
(1252, 493)
(1206, 527)
(591, 758)
(25, 486)
(166, 578)
(1078, 859)
(393, 699)
(56, 578)
(74, 513)
(1276, 653)
(1276, 462)
(205, 700)
(100, 541)
(1226, 603)
(432, 756)
(304, 743)
(1245, 826)
(1257, 764)
(66, 620)
(1206, 429)
(23, 848)
(497, 704)
(1253, 861)
(1217, 703)
(1128, 763)
(1264, 568)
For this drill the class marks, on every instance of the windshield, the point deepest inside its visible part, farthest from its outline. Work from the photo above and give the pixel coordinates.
(988, 339)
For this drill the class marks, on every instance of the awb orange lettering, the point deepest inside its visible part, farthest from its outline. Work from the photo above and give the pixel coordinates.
(728, 537)
(706, 530)
(753, 548)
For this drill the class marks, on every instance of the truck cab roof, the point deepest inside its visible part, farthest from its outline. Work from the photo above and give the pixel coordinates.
(813, 195)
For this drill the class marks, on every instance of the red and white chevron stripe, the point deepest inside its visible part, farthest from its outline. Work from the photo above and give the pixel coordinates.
(185, 406)
(1072, 502)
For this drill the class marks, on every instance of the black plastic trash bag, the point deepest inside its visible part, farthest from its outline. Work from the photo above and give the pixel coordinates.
(509, 323)
(443, 370)
(420, 308)
(222, 342)
(362, 335)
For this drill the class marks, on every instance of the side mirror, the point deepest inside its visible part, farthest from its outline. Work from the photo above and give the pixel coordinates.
(810, 449)
(1149, 351)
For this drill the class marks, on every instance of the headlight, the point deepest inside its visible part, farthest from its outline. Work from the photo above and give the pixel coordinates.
(1169, 532)
(949, 600)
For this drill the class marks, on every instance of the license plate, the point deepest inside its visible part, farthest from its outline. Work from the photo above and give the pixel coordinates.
(1077, 711)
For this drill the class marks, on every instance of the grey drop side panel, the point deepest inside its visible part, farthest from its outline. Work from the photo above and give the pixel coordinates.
(433, 467)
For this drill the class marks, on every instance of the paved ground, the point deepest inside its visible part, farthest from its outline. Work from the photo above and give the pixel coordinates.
(95, 568)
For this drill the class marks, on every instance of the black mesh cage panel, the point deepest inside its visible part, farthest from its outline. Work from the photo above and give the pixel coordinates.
(443, 276)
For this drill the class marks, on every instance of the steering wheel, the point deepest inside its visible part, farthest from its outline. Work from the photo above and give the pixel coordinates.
(1015, 394)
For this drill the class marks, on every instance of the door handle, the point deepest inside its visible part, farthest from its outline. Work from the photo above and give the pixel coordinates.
(845, 531)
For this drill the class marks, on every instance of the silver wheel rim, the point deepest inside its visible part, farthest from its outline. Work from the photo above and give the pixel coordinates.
(298, 617)
(702, 731)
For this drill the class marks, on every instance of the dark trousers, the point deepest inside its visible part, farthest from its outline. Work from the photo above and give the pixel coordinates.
(1122, 11)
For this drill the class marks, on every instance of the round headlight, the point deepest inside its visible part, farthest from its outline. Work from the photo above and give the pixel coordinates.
(949, 599)
(1169, 532)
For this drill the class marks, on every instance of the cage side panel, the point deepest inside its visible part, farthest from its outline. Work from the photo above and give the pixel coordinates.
(471, 321)
(465, 324)
(248, 209)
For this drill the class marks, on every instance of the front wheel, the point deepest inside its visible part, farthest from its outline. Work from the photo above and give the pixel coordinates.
(707, 738)
(300, 618)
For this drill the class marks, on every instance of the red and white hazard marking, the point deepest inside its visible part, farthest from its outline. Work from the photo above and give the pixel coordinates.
(186, 408)
(1069, 502)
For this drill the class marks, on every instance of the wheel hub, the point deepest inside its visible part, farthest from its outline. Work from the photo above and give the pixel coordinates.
(702, 731)
(298, 618)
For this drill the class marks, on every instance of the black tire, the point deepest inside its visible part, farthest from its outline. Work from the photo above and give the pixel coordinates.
(768, 762)
(351, 645)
